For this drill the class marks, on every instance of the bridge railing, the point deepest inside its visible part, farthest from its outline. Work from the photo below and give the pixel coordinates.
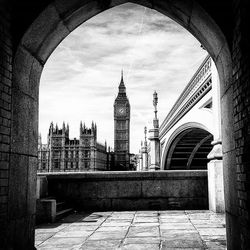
(197, 87)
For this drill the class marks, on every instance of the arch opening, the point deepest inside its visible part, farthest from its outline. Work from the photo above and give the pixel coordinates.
(42, 38)
(189, 150)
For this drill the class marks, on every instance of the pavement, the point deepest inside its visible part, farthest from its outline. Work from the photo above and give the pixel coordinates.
(134, 230)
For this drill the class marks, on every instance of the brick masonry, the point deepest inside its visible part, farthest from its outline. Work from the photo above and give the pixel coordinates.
(5, 112)
(241, 97)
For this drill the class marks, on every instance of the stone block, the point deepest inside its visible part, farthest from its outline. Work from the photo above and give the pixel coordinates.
(18, 183)
(216, 187)
(224, 67)
(179, 10)
(232, 231)
(119, 189)
(42, 39)
(27, 72)
(32, 184)
(154, 188)
(25, 124)
(101, 244)
(230, 182)
(144, 232)
(92, 204)
(66, 243)
(42, 187)
(82, 14)
(46, 210)
(67, 8)
(228, 141)
(206, 31)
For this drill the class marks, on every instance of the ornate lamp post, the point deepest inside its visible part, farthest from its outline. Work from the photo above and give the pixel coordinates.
(154, 139)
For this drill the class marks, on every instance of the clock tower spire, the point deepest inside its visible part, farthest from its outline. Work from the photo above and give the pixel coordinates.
(121, 128)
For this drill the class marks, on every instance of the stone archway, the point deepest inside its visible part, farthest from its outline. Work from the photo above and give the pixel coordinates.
(44, 34)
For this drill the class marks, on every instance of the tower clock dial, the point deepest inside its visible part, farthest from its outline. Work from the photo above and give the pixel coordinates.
(121, 111)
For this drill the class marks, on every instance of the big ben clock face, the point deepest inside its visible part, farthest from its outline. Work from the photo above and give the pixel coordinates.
(121, 111)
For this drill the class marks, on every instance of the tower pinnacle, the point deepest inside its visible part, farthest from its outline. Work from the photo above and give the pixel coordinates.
(122, 88)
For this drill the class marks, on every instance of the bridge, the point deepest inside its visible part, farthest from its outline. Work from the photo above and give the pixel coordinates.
(189, 138)
(192, 124)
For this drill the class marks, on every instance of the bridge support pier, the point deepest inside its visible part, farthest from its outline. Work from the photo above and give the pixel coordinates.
(154, 149)
(215, 179)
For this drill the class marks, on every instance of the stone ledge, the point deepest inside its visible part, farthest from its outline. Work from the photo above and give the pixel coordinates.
(127, 175)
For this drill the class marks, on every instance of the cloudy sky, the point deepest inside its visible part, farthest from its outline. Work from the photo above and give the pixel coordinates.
(80, 80)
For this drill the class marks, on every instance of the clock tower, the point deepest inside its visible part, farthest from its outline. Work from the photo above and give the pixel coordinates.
(121, 128)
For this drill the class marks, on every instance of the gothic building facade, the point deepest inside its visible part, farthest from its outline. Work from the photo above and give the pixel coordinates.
(63, 154)
(121, 128)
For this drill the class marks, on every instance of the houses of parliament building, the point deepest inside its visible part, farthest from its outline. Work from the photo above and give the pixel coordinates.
(86, 154)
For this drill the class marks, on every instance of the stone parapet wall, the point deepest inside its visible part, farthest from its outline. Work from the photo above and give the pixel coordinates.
(131, 190)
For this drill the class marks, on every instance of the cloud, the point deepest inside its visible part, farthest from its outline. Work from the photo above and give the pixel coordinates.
(80, 80)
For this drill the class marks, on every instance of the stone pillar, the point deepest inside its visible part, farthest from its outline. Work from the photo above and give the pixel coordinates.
(155, 149)
(154, 139)
(144, 158)
(144, 151)
(139, 164)
(215, 165)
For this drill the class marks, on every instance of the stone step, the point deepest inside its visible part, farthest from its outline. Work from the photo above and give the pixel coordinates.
(63, 213)
(60, 205)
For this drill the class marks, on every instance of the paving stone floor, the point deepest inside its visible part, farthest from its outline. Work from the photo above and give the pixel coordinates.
(147, 230)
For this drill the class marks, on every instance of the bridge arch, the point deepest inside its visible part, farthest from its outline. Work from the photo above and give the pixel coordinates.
(177, 134)
(49, 28)
(189, 150)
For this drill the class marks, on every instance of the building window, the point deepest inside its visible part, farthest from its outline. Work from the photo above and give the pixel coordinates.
(86, 164)
(56, 165)
(76, 164)
(44, 165)
(71, 165)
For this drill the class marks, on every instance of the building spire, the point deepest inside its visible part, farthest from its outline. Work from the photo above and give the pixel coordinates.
(122, 88)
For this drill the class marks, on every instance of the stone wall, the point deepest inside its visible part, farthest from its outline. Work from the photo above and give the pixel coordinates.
(238, 205)
(5, 115)
(131, 190)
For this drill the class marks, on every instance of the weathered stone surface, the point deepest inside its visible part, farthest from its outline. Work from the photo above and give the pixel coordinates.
(141, 247)
(228, 140)
(131, 190)
(144, 232)
(134, 235)
(201, 21)
(101, 244)
(62, 242)
(107, 235)
(25, 125)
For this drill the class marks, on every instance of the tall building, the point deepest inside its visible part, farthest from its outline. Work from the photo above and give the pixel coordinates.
(121, 128)
(64, 154)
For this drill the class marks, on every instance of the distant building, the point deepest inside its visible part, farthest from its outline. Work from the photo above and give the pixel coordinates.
(63, 154)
